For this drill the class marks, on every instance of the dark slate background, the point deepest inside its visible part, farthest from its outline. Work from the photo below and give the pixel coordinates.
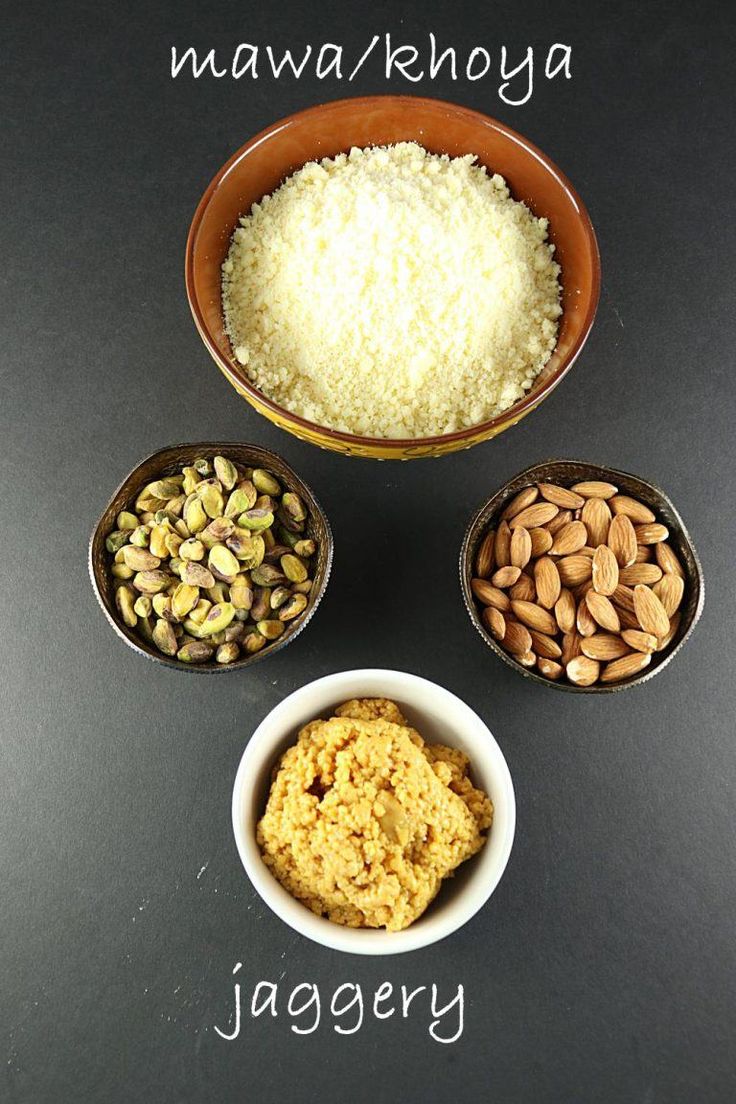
(603, 967)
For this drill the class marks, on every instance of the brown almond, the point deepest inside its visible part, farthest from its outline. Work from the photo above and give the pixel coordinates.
(639, 641)
(625, 667)
(549, 668)
(502, 549)
(520, 502)
(631, 508)
(521, 547)
(644, 553)
(651, 533)
(559, 521)
(650, 613)
(605, 570)
(667, 560)
(547, 581)
(570, 539)
(571, 647)
(561, 496)
(516, 638)
(583, 671)
(541, 541)
(604, 646)
(505, 576)
(595, 488)
(586, 550)
(489, 595)
(669, 589)
(524, 590)
(484, 558)
(622, 540)
(623, 597)
(527, 660)
(534, 616)
(628, 618)
(544, 645)
(602, 611)
(671, 632)
(495, 622)
(645, 573)
(596, 517)
(584, 620)
(537, 514)
(565, 611)
(575, 570)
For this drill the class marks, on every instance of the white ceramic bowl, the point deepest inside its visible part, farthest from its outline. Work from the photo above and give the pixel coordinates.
(440, 717)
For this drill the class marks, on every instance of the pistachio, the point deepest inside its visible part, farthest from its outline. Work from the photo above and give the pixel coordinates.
(116, 540)
(164, 638)
(140, 536)
(226, 472)
(139, 558)
(182, 529)
(253, 643)
(256, 520)
(211, 499)
(200, 611)
(191, 549)
(234, 631)
(195, 516)
(261, 603)
(176, 565)
(196, 652)
(218, 592)
(296, 604)
(305, 548)
(175, 507)
(249, 549)
(289, 523)
(173, 543)
(184, 599)
(272, 630)
(151, 582)
(265, 483)
(237, 503)
(145, 628)
(219, 617)
(267, 575)
(125, 602)
(126, 520)
(228, 652)
(241, 593)
(222, 562)
(265, 502)
(303, 588)
(293, 568)
(120, 571)
(218, 530)
(279, 595)
(157, 543)
(196, 574)
(143, 605)
(191, 479)
(247, 493)
(292, 504)
(202, 466)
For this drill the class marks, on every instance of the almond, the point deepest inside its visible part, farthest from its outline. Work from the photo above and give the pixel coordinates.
(584, 620)
(627, 618)
(484, 557)
(541, 541)
(602, 611)
(671, 632)
(547, 581)
(571, 647)
(544, 645)
(502, 551)
(489, 595)
(631, 508)
(594, 488)
(604, 646)
(521, 547)
(644, 553)
(570, 538)
(520, 502)
(583, 671)
(527, 660)
(516, 638)
(559, 521)
(565, 610)
(505, 576)
(623, 597)
(670, 590)
(639, 641)
(650, 612)
(534, 616)
(667, 560)
(575, 570)
(645, 573)
(561, 496)
(625, 667)
(524, 590)
(549, 668)
(622, 540)
(596, 517)
(651, 533)
(605, 570)
(494, 621)
(538, 514)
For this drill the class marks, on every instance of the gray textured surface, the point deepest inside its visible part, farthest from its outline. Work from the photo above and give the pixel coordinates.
(603, 967)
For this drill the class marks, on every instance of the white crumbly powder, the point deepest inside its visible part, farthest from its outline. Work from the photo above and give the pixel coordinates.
(392, 293)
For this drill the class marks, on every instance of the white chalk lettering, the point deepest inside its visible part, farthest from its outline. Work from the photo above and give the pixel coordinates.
(407, 998)
(527, 63)
(383, 993)
(476, 52)
(239, 71)
(365, 56)
(334, 65)
(563, 66)
(312, 1000)
(357, 998)
(435, 63)
(190, 54)
(288, 59)
(459, 1000)
(257, 1009)
(392, 59)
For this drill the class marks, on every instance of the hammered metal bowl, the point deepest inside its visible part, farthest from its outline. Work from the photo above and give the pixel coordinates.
(567, 472)
(168, 461)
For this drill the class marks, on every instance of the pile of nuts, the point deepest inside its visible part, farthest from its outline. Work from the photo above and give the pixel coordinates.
(579, 582)
(213, 562)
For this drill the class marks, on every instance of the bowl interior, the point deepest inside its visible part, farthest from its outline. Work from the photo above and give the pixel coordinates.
(260, 166)
(440, 717)
(166, 462)
(567, 472)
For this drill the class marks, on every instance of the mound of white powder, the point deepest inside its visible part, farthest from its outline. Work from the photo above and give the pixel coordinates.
(392, 293)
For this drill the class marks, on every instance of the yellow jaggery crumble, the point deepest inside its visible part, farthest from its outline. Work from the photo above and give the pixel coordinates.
(364, 820)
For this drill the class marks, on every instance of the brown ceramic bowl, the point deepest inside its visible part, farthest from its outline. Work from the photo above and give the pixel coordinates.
(168, 461)
(567, 472)
(265, 161)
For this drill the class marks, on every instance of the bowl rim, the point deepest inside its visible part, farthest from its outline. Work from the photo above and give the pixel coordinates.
(246, 661)
(262, 749)
(469, 433)
(599, 471)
